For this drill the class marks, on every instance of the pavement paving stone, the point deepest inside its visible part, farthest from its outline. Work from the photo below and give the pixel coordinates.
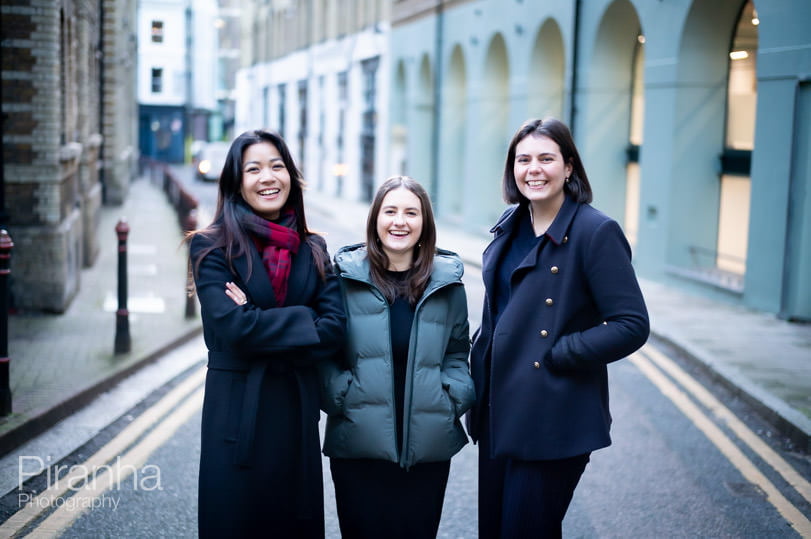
(60, 358)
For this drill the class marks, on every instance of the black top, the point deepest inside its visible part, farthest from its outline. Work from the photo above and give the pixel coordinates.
(401, 317)
(522, 241)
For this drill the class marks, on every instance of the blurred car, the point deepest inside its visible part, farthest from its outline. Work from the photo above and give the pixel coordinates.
(195, 149)
(211, 159)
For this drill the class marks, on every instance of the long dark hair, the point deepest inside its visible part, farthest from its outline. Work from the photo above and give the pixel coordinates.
(577, 188)
(420, 272)
(226, 230)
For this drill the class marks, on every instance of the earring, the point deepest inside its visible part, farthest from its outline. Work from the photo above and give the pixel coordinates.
(567, 179)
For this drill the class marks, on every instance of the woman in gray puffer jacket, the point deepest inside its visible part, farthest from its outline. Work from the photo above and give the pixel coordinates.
(395, 397)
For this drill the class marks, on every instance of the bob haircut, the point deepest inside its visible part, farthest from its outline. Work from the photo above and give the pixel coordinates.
(577, 188)
(226, 230)
(424, 251)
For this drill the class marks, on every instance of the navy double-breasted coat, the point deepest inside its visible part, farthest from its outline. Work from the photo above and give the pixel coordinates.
(575, 306)
(260, 463)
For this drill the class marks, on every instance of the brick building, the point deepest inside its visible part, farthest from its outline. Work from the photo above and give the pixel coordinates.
(68, 109)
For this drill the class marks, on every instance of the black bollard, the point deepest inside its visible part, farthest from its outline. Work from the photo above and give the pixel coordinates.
(122, 320)
(5, 362)
(189, 225)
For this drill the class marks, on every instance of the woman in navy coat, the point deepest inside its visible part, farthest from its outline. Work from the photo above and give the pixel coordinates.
(561, 302)
(271, 309)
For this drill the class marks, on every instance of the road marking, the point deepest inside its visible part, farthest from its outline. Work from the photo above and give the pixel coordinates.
(40, 503)
(134, 459)
(727, 447)
(135, 304)
(724, 414)
(142, 249)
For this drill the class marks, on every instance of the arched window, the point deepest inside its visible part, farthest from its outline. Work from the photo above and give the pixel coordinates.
(398, 153)
(546, 78)
(453, 140)
(733, 215)
(632, 185)
(494, 105)
(421, 123)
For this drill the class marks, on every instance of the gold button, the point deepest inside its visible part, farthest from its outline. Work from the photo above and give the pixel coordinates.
(554, 269)
(544, 333)
(537, 365)
(549, 301)
(565, 239)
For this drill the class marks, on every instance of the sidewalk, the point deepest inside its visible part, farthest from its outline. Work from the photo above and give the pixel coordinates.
(761, 359)
(60, 362)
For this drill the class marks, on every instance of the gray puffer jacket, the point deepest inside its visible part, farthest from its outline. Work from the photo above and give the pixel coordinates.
(358, 396)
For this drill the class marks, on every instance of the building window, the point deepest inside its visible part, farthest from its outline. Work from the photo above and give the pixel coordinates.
(157, 80)
(157, 31)
(368, 127)
(632, 175)
(733, 213)
(343, 86)
(282, 107)
(343, 95)
(341, 169)
(266, 107)
(302, 123)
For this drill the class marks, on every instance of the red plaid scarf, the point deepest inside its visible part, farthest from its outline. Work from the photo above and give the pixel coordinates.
(275, 241)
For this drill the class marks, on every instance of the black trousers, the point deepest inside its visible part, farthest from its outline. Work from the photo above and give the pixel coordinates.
(379, 499)
(519, 499)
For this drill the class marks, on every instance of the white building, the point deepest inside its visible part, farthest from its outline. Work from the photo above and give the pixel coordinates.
(319, 76)
(177, 73)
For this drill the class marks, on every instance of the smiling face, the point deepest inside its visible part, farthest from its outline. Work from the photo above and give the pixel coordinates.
(265, 180)
(399, 227)
(540, 171)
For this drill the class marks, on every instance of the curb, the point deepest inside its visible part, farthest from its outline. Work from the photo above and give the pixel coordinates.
(41, 421)
(788, 422)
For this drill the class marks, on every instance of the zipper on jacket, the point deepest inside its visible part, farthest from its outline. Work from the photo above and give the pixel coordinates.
(411, 366)
(408, 391)
(397, 451)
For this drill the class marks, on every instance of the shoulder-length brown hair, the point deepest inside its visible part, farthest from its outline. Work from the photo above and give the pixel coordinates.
(420, 273)
(226, 230)
(577, 188)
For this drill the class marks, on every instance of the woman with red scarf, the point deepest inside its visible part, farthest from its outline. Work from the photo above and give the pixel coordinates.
(271, 309)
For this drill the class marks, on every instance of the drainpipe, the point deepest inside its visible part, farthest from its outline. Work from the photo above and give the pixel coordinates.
(2, 158)
(440, 19)
(575, 62)
(100, 157)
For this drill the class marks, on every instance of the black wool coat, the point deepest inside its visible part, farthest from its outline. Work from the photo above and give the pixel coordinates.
(575, 306)
(260, 462)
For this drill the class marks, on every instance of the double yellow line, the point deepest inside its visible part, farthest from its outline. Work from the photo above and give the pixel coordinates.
(166, 416)
(162, 420)
(684, 392)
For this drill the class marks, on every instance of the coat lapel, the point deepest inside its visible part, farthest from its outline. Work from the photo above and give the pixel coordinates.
(300, 283)
(556, 232)
(560, 226)
(493, 252)
(259, 288)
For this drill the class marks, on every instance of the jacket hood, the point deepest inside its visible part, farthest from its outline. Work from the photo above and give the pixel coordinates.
(352, 262)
